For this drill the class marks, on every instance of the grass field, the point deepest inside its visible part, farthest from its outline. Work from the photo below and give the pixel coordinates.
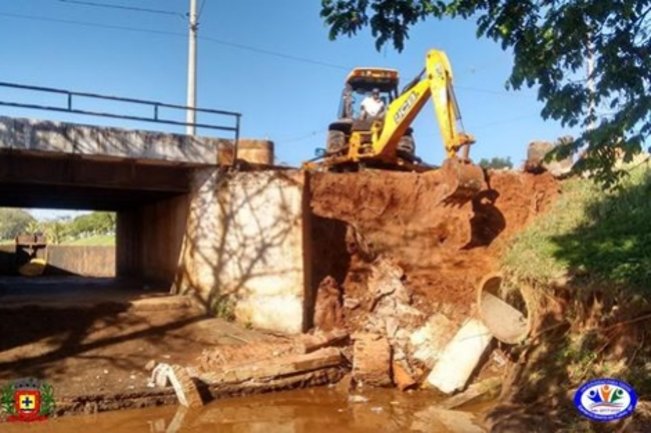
(99, 240)
(590, 234)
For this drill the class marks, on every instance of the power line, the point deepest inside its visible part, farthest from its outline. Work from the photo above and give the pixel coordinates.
(274, 53)
(216, 41)
(177, 34)
(122, 7)
(203, 3)
(301, 137)
(89, 24)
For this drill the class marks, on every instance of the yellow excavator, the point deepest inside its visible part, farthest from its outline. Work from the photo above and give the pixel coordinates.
(385, 140)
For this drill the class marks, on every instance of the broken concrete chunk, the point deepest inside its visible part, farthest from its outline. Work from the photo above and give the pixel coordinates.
(386, 279)
(351, 303)
(486, 387)
(160, 375)
(460, 357)
(428, 341)
(402, 378)
(150, 365)
(371, 360)
(537, 152)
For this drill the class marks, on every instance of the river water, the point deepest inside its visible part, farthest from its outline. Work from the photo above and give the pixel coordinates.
(317, 410)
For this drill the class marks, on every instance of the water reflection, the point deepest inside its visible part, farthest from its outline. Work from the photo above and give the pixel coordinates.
(320, 410)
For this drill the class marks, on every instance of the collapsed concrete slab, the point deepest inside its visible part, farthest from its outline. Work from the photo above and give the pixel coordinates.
(460, 357)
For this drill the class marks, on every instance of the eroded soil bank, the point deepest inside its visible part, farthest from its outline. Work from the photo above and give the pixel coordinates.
(444, 248)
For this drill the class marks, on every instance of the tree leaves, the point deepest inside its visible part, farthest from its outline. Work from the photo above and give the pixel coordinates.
(552, 41)
(13, 222)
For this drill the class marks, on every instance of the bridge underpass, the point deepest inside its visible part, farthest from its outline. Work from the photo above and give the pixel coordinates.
(145, 178)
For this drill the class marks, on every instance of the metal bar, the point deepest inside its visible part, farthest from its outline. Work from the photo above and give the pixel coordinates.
(116, 116)
(236, 145)
(155, 104)
(114, 98)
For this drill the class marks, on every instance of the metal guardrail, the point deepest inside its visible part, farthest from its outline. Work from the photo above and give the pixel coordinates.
(155, 105)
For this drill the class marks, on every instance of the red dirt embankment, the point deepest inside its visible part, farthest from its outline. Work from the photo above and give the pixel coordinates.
(444, 248)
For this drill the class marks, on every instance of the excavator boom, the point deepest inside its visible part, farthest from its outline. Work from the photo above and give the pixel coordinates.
(434, 82)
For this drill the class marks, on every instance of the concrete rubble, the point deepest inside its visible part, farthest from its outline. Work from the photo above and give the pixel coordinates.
(371, 360)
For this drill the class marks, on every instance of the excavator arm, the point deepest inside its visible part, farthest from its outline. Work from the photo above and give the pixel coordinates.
(434, 82)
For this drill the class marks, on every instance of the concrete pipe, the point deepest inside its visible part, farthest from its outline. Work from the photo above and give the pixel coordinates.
(505, 317)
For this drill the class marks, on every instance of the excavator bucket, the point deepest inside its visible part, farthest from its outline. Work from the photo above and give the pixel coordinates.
(464, 179)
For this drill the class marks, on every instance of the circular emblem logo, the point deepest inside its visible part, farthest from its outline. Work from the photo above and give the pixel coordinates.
(605, 399)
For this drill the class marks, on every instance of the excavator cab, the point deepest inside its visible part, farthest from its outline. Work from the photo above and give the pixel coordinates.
(352, 125)
(360, 83)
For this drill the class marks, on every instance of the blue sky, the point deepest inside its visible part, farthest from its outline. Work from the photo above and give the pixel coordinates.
(286, 100)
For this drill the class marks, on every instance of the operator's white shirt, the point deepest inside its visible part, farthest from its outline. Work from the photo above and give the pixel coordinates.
(371, 106)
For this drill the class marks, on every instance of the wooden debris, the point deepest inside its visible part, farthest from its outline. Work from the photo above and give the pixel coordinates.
(318, 341)
(272, 368)
(233, 354)
(184, 387)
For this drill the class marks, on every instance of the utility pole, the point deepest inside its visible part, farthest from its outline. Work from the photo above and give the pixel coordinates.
(191, 115)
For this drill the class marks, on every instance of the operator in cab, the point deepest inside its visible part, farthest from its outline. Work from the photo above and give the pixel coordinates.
(372, 105)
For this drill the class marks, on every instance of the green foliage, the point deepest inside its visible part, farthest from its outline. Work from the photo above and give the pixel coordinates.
(224, 307)
(551, 42)
(496, 163)
(95, 223)
(97, 227)
(47, 400)
(590, 234)
(14, 222)
(7, 399)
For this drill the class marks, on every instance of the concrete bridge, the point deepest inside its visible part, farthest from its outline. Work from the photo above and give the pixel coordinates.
(236, 240)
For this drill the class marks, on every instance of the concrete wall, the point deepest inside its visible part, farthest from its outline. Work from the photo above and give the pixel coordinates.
(243, 247)
(89, 261)
(149, 239)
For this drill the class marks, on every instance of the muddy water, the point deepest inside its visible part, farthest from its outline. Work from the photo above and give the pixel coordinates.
(320, 410)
